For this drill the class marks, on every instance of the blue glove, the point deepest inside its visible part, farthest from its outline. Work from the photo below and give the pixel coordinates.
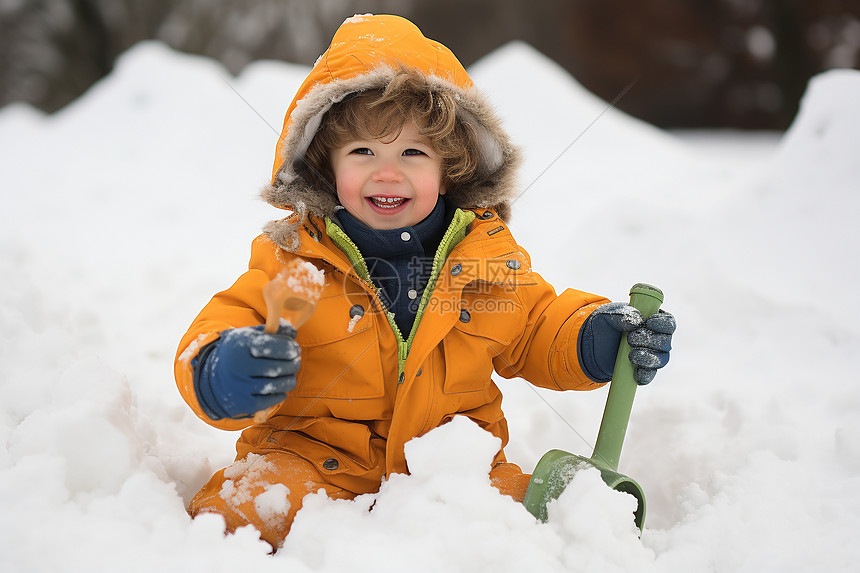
(650, 341)
(246, 370)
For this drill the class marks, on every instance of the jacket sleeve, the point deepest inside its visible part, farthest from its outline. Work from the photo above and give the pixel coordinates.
(240, 305)
(546, 353)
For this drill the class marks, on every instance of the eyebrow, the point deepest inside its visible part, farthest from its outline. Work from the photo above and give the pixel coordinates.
(422, 141)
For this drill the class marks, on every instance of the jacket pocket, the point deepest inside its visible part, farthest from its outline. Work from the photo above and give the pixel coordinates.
(340, 356)
(488, 323)
(334, 446)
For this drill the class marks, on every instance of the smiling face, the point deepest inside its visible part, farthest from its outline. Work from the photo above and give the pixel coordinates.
(388, 184)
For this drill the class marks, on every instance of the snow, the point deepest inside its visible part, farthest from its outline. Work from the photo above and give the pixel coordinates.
(271, 505)
(303, 279)
(353, 321)
(123, 213)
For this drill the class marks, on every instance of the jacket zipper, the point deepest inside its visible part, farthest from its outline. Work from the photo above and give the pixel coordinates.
(358, 263)
(453, 235)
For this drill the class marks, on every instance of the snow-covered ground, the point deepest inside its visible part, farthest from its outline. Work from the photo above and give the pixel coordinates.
(123, 213)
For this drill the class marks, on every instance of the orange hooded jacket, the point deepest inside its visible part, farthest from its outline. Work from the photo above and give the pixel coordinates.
(364, 389)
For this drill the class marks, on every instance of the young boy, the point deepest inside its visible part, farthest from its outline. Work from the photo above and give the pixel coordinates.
(399, 179)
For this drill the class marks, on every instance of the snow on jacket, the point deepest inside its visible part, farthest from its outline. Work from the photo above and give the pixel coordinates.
(364, 389)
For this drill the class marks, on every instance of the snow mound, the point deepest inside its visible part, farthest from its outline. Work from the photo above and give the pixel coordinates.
(555, 105)
(585, 159)
(807, 203)
(448, 517)
(820, 148)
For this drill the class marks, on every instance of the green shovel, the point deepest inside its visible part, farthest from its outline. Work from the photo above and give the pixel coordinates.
(556, 468)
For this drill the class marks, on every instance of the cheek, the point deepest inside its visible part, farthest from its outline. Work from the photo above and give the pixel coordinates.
(427, 179)
(430, 185)
(347, 184)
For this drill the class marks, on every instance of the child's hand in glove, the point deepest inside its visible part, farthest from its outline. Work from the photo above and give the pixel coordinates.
(650, 341)
(245, 371)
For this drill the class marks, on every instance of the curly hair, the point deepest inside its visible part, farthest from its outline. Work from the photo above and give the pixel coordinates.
(381, 113)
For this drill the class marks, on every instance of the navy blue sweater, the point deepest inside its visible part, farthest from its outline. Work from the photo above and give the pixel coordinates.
(399, 260)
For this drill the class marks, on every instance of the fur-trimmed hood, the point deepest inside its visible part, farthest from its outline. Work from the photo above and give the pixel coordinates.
(366, 53)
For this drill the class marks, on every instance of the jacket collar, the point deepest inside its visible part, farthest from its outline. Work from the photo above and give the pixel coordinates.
(385, 243)
(478, 240)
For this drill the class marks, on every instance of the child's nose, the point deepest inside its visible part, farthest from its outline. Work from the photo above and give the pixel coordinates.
(387, 172)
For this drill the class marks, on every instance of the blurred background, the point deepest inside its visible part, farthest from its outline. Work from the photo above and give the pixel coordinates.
(739, 64)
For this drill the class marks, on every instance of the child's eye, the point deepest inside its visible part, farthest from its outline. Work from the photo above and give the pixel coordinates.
(362, 151)
(414, 152)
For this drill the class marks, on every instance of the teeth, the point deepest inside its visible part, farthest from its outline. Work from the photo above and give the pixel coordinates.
(388, 202)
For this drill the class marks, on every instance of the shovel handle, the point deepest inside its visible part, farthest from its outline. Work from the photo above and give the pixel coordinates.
(284, 303)
(616, 415)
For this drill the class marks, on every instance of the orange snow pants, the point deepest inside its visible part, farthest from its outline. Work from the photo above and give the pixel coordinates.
(266, 491)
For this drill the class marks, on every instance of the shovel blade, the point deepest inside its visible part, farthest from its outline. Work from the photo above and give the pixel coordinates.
(556, 469)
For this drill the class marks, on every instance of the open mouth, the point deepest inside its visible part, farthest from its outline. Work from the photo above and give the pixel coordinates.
(388, 202)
